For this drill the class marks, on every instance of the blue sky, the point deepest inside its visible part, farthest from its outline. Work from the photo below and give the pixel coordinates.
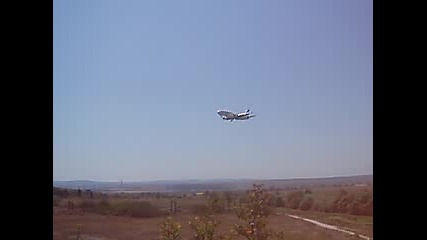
(136, 87)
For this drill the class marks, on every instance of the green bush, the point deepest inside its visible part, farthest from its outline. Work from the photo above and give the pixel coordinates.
(253, 215)
(205, 228)
(170, 230)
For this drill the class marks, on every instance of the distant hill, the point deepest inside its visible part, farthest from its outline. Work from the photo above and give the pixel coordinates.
(213, 184)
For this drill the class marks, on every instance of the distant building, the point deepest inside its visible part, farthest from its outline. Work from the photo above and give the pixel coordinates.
(360, 185)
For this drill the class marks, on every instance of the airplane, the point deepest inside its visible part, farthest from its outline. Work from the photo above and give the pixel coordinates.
(226, 115)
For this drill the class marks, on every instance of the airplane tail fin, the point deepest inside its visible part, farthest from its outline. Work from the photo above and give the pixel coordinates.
(247, 111)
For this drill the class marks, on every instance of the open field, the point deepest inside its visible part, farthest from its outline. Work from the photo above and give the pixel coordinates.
(133, 216)
(95, 226)
(359, 224)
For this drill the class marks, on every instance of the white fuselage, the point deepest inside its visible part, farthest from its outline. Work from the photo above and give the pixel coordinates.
(232, 116)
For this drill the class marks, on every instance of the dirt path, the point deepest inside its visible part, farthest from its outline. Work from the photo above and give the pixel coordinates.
(327, 226)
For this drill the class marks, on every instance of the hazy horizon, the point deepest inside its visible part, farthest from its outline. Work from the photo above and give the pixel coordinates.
(213, 179)
(136, 87)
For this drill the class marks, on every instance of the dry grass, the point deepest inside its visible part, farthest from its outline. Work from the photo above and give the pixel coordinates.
(127, 228)
(359, 224)
(96, 226)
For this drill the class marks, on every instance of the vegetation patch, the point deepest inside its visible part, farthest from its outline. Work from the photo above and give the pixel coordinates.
(132, 208)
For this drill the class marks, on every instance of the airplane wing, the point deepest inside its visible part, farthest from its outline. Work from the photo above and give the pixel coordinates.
(226, 114)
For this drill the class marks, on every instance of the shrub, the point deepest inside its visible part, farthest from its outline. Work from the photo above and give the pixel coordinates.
(307, 203)
(132, 208)
(228, 197)
(136, 209)
(88, 205)
(317, 206)
(294, 198)
(60, 192)
(104, 207)
(279, 202)
(356, 204)
(254, 213)
(205, 228)
(363, 204)
(170, 230)
(56, 200)
(216, 204)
